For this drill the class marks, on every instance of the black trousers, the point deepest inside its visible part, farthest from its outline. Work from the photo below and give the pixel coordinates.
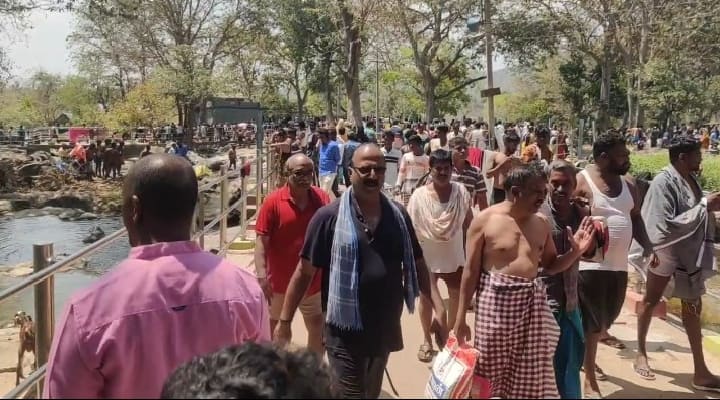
(335, 185)
(354, 375)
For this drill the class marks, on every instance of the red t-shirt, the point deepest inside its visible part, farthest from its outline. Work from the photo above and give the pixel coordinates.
(475, 156)
(285, 225)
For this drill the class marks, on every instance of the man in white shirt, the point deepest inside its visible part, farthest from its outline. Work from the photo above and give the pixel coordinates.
(477, 136)
(499, 133)
(441, 140)
(392, 160)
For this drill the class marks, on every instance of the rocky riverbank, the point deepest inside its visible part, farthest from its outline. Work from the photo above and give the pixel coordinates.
(38, 182)
(78, 201)
(35, 185)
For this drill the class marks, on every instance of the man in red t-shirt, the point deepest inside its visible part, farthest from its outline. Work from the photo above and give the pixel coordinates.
(281, 224)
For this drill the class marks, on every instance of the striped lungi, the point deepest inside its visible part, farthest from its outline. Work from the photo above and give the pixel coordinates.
(517, 335)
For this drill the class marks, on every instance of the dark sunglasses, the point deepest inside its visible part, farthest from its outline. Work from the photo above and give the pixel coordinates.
(302, 174)
(364, 171)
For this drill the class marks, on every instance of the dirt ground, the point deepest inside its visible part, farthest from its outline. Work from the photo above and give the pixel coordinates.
(9, 341)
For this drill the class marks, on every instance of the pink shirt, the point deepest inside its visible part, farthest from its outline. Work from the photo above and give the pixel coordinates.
(164, 305)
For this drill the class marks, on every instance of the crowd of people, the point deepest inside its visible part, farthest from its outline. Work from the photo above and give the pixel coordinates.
(366, 223)
(100, 158)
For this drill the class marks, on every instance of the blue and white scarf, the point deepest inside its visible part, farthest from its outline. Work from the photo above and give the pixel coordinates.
(343, 308)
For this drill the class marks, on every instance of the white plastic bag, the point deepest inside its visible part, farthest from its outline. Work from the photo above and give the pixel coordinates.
(452, 372)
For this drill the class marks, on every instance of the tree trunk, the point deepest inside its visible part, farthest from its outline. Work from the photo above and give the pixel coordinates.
(180, 111)
(603, 118)
(353, 90)
(329, 90)
(639, 111)
(351, 71)
(329, 102)
(631, 101)
(430, 107)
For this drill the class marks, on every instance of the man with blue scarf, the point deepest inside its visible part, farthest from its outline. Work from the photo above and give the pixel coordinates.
(371, 262)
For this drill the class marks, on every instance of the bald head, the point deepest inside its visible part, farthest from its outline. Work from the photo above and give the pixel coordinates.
(367, 151)
(165, 188)
(296, 161)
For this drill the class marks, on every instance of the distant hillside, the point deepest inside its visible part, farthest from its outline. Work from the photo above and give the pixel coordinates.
(506, 79)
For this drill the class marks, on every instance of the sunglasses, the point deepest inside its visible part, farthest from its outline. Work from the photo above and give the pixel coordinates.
(302, 174)
(364, 171)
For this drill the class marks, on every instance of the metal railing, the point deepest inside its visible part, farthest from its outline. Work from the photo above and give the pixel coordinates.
(45, 266)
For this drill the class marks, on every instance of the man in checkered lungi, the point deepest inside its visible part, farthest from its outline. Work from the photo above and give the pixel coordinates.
(515, 331)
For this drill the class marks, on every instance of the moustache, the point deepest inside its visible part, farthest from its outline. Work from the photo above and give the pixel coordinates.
(371, 182)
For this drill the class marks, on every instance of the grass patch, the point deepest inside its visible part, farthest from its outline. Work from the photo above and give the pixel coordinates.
(710, 316)
(653, 162)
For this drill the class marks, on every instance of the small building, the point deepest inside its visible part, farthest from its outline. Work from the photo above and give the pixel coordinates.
(64, 119)
(229, 110)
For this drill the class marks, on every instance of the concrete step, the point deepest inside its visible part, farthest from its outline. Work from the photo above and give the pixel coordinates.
(247, 243)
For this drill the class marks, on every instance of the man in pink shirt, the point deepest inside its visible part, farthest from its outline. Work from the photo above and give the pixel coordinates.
(168, 302)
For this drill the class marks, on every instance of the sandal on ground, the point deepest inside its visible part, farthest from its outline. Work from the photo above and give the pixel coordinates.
(599, 374)
(715, 389)
(644, 373)
(425, 353)
(613, 342)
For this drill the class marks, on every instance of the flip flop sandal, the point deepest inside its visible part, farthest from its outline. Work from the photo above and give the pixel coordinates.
(425, 353)
(613, 342)
(715, 389)
(592, 395)
(599, 374)
(644, 373)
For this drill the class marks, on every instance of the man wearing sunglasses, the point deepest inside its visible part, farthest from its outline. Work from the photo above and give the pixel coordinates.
(372, 262)
(280, 228)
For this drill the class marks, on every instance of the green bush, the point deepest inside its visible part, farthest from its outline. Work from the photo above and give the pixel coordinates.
(652, 163)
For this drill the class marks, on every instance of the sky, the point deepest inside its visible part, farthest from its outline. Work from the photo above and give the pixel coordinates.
(43, 46)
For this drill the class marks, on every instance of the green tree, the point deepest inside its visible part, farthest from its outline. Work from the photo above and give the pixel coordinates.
(145, 105)
(76, 97)
(434, 30)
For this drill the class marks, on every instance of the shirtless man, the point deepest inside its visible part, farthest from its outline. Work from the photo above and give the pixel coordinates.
(515, 330)
(502, 163)
(283, 146)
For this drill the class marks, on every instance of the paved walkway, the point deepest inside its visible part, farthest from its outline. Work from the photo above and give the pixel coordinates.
(667, 345)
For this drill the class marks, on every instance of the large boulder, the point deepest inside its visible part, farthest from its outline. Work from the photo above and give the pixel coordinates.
(41, 157)
(215, 165)
(21, 204)
(69, 215)
(95, 234)
(8, 178)
(70, 201)
(87, 216)
(30, 169)
(5, 206)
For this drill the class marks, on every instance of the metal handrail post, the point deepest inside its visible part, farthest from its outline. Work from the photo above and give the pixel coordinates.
(243, 203)
(223, 205)
(201, 219)
(44, 306)
(258, 178)
(270, 170)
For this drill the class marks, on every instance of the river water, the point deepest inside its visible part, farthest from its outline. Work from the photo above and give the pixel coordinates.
(17, 237)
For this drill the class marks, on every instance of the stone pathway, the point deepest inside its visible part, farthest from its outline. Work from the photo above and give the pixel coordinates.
(668, 348)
